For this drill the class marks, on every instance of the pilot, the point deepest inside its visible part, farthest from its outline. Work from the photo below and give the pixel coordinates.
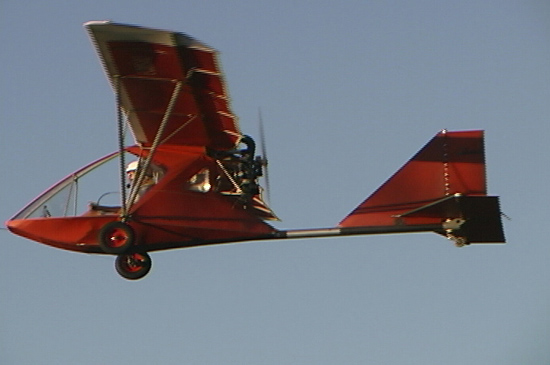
(146, 183)
(131, 170)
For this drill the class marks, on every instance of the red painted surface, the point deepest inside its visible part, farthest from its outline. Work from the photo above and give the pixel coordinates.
(452, 162)
(169, 215)
(148, 73)
(144, 66)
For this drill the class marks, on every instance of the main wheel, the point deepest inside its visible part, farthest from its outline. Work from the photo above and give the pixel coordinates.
(116, 237)
(133, 266)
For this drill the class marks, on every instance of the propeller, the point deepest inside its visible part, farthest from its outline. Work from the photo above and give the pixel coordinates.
(263, 158)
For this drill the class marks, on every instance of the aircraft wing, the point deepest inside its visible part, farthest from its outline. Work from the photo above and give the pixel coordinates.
(149, 68)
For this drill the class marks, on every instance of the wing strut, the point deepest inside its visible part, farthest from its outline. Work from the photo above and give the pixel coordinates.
(120, 126)
(156, 142)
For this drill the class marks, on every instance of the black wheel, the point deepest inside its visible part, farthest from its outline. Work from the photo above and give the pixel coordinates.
(133, 266)
(116, 237)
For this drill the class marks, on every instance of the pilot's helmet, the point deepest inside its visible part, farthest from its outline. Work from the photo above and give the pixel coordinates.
(132, 166)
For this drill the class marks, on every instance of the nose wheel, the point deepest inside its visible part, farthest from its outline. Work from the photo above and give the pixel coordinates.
(133, 266)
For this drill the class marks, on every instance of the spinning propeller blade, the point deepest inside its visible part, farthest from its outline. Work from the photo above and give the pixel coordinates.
(264, 160)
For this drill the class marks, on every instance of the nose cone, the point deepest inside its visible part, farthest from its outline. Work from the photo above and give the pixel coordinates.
(43, 230)
(68, 233)
(17, 226)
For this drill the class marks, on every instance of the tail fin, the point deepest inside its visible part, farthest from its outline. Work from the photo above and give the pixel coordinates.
(444, 181)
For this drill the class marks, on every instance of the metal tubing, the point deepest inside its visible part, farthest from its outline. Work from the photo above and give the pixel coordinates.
(160, 131)
(349, 231)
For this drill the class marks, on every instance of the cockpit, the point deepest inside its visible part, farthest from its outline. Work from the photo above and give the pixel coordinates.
(95, 185)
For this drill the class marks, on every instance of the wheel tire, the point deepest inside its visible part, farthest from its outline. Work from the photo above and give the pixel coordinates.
(133, 266)
(116, 237)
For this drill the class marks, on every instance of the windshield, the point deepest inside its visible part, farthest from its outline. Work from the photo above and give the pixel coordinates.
(98, 182)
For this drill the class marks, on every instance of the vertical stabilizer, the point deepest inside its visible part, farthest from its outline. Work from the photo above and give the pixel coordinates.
(431, 188)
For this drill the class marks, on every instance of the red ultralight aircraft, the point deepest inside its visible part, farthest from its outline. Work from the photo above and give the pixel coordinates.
(197, 175)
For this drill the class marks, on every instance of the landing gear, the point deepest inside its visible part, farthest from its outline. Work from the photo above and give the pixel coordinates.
(116, 237)
(458, 240)
(452, 227)
(133, 266)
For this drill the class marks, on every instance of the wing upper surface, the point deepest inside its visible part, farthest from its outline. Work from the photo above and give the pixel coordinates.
(144, 66)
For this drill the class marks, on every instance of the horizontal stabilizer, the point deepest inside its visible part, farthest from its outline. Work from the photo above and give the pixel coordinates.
(483, 223)
(481, 216)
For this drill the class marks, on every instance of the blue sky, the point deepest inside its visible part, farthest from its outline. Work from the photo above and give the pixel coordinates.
(348, 92)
